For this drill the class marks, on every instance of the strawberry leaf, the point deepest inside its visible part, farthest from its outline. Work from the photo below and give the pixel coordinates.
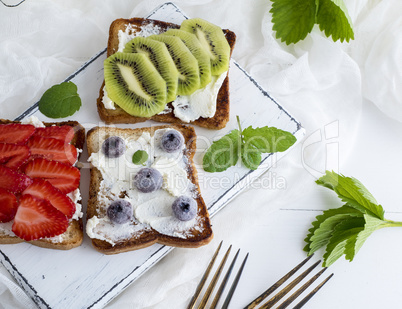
(293, 19)
(352, 191)
(334, 20)
(341, 233)
(324, 232)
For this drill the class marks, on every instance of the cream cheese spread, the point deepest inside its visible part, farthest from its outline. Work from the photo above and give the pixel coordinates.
(150, 210)
(202, 103)
(75, 196)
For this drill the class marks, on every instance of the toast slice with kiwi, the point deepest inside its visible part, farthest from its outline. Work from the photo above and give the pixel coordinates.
(73, 236)
(149, 222)
(152, 27)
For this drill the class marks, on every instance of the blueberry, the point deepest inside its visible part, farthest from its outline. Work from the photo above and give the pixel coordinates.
(148, 180)
(172, 141)
(113, 147)
(184, 208)
(120, 211)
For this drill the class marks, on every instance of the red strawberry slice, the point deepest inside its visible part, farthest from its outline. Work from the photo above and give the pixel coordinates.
(52, 149)
(13, 181)
(8, 205)
(16, 133)
(42, 189)
(12, 155)
(36, 218)
(64, 177)
(63, 133)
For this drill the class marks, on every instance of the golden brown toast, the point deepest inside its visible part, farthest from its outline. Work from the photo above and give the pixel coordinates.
(196, 237)
(218, 121)
(73, 236)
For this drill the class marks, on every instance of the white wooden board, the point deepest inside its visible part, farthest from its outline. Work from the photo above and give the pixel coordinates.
(55, 279)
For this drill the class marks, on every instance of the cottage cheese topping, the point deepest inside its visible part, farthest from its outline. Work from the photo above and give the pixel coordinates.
(128, 34)
(202, 103)
(34, 121)
(109, 104)
(150, 210)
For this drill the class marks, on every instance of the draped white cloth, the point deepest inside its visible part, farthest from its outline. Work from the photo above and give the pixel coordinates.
(322, 83)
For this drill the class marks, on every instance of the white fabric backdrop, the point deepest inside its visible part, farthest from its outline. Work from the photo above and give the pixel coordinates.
(320, 82)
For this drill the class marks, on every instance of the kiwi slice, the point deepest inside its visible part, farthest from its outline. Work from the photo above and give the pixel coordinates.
(160, 58)
(186, 64)
(133, 83)
(192, 43)
(213, 40)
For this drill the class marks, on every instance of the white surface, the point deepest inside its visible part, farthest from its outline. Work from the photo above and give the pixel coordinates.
(325, 85)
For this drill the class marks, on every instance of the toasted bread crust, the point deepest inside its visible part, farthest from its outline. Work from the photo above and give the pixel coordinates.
(109, 116)
(148, 238)
(74, 231)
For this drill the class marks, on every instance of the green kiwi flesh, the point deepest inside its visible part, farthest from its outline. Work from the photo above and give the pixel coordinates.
(160, 58)
(186, 63)
(133, 83)
(192, 43)
(213, 40)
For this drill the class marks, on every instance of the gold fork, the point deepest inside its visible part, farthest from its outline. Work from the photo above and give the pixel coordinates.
(276, 298)
(219, 293)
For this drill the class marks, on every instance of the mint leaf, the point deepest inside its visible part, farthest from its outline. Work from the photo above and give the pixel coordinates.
(247, 144)
(223, 153)
(60, 101)
(293, 19)
(334, 20)
(251, 156)
(352, 191)
(268, 139)
(140, 157)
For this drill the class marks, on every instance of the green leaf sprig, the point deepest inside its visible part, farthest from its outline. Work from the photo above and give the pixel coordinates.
(344, 230)
(247, 144)
(294, 19)
(60, 101)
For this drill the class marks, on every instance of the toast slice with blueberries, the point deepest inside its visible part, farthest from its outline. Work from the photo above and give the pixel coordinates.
(40, 201)
(144, 189)
(208, 106)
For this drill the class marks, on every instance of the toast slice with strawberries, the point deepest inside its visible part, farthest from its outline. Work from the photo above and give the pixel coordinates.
(40, 200)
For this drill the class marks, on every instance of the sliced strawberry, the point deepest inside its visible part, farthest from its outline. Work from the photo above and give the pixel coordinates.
(64, 177)
(36, 218)
(8, 205)
(13, 156)
(16, 133)
(63, 133)
(52, 149)
(13, 181)
(42, 189)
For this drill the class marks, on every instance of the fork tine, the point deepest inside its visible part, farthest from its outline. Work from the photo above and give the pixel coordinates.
(224, 282)
(204, 279)
(234, 284)
(290, 286)
(296, 294)
(312, 293)
(214, 280)
(276, 285)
